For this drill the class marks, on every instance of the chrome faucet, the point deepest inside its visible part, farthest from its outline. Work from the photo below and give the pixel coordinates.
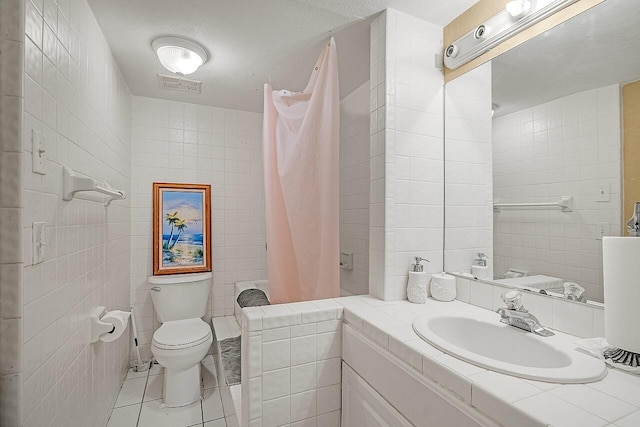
(574, 292)
(516, 315)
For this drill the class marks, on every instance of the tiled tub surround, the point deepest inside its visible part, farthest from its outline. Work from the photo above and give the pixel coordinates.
(509, 401)
(75, 96)
(291, 364)
(566, 147)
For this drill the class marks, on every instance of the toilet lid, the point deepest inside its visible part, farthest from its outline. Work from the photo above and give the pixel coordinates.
(178, 334)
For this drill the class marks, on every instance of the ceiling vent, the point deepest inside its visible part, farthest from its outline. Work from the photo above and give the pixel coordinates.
(179, 83)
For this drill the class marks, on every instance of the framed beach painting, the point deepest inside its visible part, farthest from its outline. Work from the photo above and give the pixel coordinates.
(181, 228)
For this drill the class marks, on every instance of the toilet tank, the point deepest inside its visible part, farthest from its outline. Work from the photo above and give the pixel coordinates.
(180, 296)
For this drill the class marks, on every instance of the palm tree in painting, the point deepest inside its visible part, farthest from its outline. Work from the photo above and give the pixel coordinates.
(171, 218)
(180, 225)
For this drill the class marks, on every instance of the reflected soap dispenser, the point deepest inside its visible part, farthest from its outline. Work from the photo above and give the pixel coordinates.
(417, 285)
(479, 269)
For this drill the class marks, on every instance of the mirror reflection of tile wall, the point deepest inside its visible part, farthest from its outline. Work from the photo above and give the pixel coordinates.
(468, 165)
(566, 147)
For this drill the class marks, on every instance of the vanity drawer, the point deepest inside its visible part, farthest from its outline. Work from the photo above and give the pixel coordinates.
(416, 399)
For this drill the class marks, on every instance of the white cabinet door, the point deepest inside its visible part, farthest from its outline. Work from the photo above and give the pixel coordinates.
(362, 406)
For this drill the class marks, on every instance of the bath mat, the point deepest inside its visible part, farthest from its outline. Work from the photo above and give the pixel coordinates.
(252, 298)
(230, 350)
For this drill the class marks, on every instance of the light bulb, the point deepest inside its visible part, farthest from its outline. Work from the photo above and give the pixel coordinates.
(518, 8)
(178, 55)
(179, 60)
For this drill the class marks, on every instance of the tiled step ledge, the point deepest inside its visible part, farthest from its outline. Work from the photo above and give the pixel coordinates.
(225, 327)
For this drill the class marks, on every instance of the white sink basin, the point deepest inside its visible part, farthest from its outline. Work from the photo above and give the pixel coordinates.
(483, 341)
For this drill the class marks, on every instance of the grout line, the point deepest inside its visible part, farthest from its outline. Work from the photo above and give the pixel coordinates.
(143, 393)
(148, 376)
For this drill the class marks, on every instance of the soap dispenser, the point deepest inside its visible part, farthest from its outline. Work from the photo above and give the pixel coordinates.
(417, 285)
(479, 269)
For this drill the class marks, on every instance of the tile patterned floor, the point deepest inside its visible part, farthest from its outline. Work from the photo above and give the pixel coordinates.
(138, 404)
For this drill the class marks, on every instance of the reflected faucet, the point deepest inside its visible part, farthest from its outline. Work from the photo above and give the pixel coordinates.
(516, 315)
(574, 292)
(634, 223)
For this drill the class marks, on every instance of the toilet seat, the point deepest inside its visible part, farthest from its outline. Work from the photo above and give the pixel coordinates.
(181, 334)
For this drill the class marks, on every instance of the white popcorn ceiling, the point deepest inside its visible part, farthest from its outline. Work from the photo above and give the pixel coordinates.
(250, 41)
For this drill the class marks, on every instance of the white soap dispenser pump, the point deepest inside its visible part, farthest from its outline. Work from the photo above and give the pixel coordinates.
(479, 269)
(417, 286)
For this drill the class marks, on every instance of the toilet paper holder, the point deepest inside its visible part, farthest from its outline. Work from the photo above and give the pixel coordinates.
(98, 327)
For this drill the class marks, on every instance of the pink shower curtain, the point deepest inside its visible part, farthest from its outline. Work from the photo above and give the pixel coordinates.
(300, 140)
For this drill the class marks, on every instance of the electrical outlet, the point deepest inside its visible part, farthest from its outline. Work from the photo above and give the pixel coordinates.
(604, 193)
(602, 229)
(38, 153)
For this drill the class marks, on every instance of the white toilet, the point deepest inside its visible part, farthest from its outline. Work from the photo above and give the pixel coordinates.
(184, 339)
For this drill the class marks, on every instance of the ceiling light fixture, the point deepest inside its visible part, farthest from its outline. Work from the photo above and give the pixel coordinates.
(518, 8)
(517, 16)
(178, 55)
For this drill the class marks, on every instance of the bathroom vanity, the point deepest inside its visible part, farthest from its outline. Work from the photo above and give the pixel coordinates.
(357, 361)
(380, 390)
(403, 380)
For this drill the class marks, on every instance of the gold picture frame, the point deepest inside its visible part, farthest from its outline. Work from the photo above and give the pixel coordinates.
(181, 228)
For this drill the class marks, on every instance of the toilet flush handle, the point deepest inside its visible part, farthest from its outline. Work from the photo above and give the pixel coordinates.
(156, 288)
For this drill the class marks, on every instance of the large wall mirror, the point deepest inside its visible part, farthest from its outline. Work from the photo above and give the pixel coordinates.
(533, 155)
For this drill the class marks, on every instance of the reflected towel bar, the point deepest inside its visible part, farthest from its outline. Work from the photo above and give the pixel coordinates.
(566, 203)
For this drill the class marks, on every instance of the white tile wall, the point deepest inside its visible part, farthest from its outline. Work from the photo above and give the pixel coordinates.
(291, 369)
(566, 147)
(76, 97)
(377, 87)
(188, 143)
(354, 188)
(407, 173)
(468, 168)
(11, 209)
(583, 320)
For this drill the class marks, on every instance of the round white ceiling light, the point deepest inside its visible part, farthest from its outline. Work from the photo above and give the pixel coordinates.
(178, 55)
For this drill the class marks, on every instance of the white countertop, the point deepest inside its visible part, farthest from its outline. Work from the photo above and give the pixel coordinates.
(511, 401)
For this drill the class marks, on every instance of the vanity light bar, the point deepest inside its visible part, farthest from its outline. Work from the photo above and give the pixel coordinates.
(498, 29)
